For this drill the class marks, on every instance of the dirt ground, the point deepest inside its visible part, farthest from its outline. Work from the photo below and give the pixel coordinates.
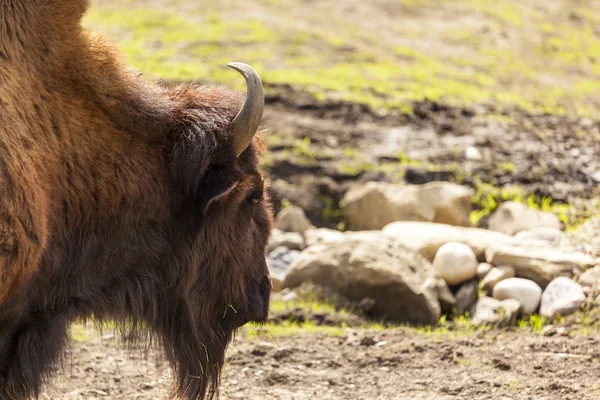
(391, 364)
(318, 150)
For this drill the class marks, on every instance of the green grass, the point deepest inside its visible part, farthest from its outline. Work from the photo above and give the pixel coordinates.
(533, 322)
(488, 198)
(547, 64)
(289, 328)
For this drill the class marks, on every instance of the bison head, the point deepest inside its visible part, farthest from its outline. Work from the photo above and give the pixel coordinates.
(122, 200)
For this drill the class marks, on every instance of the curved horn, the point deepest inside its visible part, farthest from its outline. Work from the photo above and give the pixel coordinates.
(246, 122)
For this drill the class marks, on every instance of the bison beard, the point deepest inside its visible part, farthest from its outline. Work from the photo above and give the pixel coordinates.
(121, 200)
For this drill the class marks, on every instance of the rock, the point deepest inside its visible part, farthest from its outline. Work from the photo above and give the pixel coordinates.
(288, 295)
(527, 292)
(562, 296)
(276, 283)
(279, 259)
(496, 275)
(373, 205)
(455, 263)
(473, 154)
(292, 219)
(291, 240)
(466, 296)
(307, 189)
(513, 217)
(596, 176)
(427, 238)
(483, 269)
(401, 282)
(322, 235)
(445, 296)
(366, 304)
(541, 264)
(489, 311)
(590, 277)
(550, 235)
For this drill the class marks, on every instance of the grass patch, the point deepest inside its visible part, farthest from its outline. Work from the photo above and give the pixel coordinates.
(289, 328)
(534, 323)
(328, 59)
(488, 198)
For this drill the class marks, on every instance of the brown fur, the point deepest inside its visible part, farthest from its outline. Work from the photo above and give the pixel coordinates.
(121, 200)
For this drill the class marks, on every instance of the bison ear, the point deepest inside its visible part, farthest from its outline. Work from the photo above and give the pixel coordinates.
(219, 182)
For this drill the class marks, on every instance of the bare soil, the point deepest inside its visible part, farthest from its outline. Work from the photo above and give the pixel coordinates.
(389, 364)
(547, 156)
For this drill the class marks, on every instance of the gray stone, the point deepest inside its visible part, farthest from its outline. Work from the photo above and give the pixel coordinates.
(562, 296)
(552, 236)
(280, 258)
(483, 269)
(322, 236)
(455, 263)
(541, 264)
(291, 240)
(276, 283)
(376, 267)
(590, 277)
(373, 205)
(445, 296)
(513, 217)
(466, 296)
(292, 219)
(489, 311)
(288, 295)
(527, 292)
(427, 238)
(496, 275)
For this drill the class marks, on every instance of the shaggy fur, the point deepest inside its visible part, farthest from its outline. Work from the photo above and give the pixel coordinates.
(119, 200)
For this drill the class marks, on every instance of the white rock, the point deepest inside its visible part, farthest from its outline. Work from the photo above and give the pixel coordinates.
(513, 217)
(553, 236)
(488, 310)
(291, 240)
(590, 277)
(455, 263)
(288, 295)
(276, 283)
(400, 281)
(373, 205)
(292, 219)
(527, 292)
(427, 238)
(472, 153)
(563, 296)
(445, 296)
(496, 275)
(483, 269)
(538, 263)
(322, 235)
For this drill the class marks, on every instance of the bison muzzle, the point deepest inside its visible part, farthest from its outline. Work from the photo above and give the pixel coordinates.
(122, 200)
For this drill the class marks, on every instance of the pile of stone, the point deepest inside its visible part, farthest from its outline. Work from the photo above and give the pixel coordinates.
(412, 256)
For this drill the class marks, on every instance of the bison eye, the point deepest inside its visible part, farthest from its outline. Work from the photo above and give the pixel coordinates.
(255, 196)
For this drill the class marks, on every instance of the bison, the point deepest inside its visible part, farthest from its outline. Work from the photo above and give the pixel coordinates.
(123, 200)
